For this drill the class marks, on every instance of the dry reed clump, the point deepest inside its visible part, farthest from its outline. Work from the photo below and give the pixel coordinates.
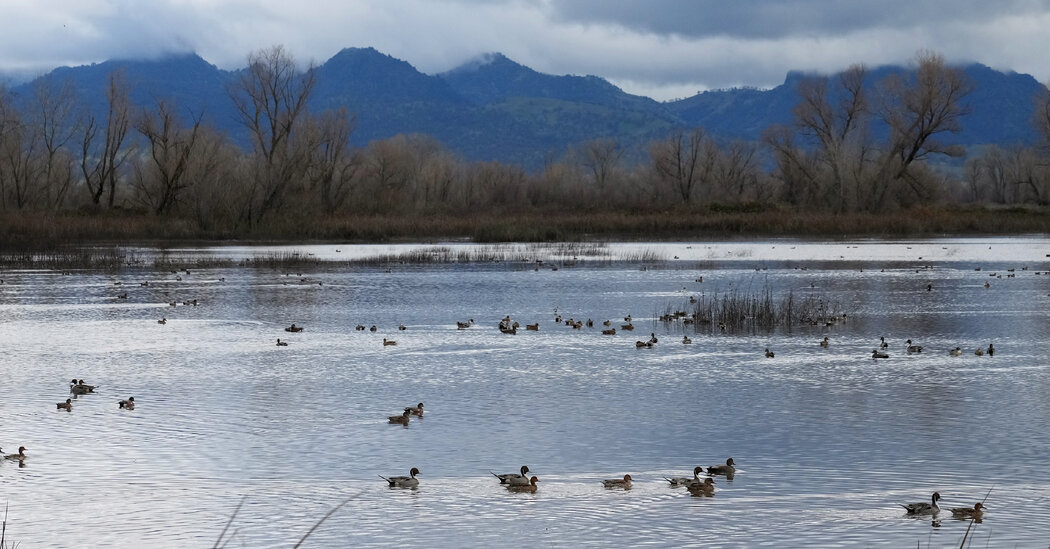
(736, 311)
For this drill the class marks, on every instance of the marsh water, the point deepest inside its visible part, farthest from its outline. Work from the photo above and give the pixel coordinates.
(827, 441)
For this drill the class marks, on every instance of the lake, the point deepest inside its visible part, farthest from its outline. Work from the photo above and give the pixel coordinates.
(827, 441)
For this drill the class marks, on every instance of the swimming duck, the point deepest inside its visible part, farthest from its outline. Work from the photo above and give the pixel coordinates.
(769, 354)
(652, 338)
(373, 328)
(641, 344)
(609, 332)
(923, 508)
(80, 388)
(624, 482)
(991, 350)
(401, 419)
(533, 327)
(464, 325)
(974, 512)
(627, 327)
(281, 343)
(825, 343)
(682, 481)
(294, 328)
(360, 327)
(67, 405)
(401, 327)
(955, 352)
(19, 456)
(913, 348)
(416, 410)
(686, 340)
(979, 352)
(162, 321)
(387, 342)
(701, 488)
(876, 354)
(506, 477)
(884, 343)
(528, 485)
(403, 482)
(727, 469)
(128, 404)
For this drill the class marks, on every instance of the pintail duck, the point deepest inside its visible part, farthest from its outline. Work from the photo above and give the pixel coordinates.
(19, 456)
(294, 328)
(624, 482)
(387, 342)
(923, 508)
(528, 486)
(80, 388)
(403, 482)
(506, 477)
(652, 338)
(825, 342)
(686, 340)
(682, 481)
(974, 512)
(727, 469)
(876, 354)
(281, 343)
(67, 405)
(884, 343)
(416, 410)
(913, 348)
(401, 419)
(128, 404)
(955, 352)
(769, 354)
(991, 350)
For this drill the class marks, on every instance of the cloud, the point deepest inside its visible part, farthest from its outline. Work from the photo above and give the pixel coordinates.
(660, 48)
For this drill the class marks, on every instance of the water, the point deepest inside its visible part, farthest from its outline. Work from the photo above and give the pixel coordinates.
(827, 441)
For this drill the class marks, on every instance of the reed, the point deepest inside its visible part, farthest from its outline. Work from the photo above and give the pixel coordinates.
(754, 311)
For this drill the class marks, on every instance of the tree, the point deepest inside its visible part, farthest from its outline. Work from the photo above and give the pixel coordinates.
(271, 97)
(54, 106)
(601, 157)
(102, 155)
(171, 149)
(684, 161)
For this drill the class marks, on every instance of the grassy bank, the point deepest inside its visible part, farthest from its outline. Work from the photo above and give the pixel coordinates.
(36, 231)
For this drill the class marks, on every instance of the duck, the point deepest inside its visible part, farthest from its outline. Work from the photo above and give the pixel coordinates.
(360, 327)
(19, 456)
(624, 482)
(506, 477)
(727, 469)
(652, 338)
(464, 325)
(80, 388)
(825, 342)
(373, 328)
(533, 327)
(401, 327)
(974, 512)
(528, 485)
(702, 488)
(128, 404)
(955, 352)
(913, 348)
(923, 508)
(401, 419)
(643, 344)
(686, 340)
(403, 482)
(67, 405)
(163, 321)
(609, 332)
(281, 343)
(682, 481)
(387, 342)
(991, 350)
(769, 354)
(884, 343)
(294, 328)
(979, 352)
(876, 354)
(627, 326)
(416, 410)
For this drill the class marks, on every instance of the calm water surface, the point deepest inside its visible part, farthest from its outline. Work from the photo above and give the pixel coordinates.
(827, 442)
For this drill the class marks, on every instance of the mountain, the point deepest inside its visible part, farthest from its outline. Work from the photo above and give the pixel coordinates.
(493, 108)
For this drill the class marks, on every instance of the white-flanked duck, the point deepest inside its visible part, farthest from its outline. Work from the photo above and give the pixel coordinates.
(401, 419)
(624, 482)
(913, 348)
(507, 477)
(416, 410)
(528, 486)
(923, 508)
(67, 405)
(682, 481)
(975, 512)
(19, 456)
(875, 353)
(128, 404)
(403, 482)
(727, 469)
(955, 352)
(163, 321)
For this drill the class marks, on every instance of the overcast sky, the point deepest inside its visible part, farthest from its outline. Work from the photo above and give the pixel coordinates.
(664, 49)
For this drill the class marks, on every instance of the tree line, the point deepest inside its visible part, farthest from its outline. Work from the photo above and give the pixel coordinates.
(853, 147)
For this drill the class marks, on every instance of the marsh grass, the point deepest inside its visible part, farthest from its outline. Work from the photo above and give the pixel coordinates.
(4, 544)
(755, 311)
(224, 540)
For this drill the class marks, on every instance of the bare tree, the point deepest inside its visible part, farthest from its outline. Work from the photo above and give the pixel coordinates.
(601, 157)
(332, 168)
(102, 155)
(684, 161)
(271, 98)
(171, 148)
(54, 105)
